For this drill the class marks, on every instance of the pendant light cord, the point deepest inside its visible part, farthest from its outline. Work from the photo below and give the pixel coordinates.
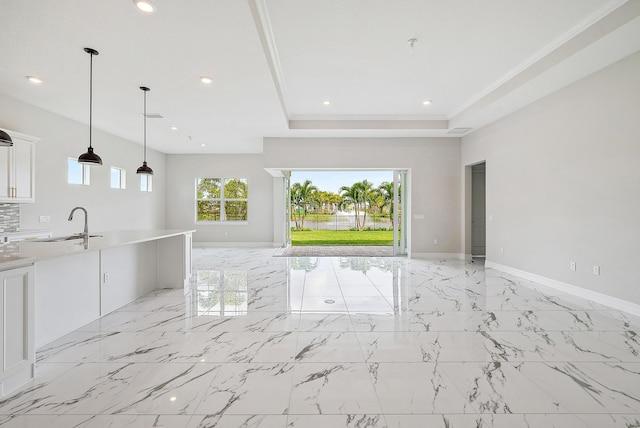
(145, 126)
(90, 96)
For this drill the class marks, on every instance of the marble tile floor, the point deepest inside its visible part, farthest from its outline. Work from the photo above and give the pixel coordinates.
(275, 342)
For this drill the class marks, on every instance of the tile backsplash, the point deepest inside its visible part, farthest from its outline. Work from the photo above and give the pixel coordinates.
(9, 217)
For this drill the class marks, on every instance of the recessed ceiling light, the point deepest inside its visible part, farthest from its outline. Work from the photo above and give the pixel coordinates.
(34, 79)
(326, 102)
(426, 102)
(145, 5)
(203, 145)
(206, 79)
(173, 128)
(173, 398)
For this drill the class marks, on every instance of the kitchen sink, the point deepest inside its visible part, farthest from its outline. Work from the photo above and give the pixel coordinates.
(66, 238)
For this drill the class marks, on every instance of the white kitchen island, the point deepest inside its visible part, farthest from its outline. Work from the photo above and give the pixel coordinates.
(68, 285)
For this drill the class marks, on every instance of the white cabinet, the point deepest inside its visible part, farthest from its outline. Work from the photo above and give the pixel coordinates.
(127, 272)
(174, 261)
(67, 295)
(17, 169)
(17, 344)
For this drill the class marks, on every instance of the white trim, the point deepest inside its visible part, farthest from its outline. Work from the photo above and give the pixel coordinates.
(456, 256)
(197, 244)
(264, 28)
(613, 302)
(543, 53)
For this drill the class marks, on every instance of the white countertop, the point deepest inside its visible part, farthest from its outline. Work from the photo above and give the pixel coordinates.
(29, 252)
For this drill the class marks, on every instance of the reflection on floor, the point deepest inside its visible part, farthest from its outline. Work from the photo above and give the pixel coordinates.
(274, 342)
(336, 251)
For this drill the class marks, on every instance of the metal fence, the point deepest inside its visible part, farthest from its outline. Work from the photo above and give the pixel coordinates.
(341, 222)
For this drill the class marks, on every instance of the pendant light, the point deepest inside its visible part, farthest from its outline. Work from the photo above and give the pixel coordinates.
(144, 169)
(5, 139)
(90, 157)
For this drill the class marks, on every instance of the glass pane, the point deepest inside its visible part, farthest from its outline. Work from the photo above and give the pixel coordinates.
(208, 211)
(143, 182)
(74, 171)
(236, 188)
(235, 210)
(208, 188)
(115, 178)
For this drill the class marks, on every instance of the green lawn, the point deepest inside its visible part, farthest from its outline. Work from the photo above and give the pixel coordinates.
(341, 237)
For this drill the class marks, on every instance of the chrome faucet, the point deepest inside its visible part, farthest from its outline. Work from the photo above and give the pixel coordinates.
(86, 224)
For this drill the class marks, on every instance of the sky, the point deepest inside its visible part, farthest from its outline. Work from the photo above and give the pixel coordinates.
(332, 181)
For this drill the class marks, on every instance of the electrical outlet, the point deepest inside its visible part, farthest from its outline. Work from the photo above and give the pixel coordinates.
(105, 277)
(596, 270)
(45, 219)
(572, 265)
(501, 249)
(435, 242)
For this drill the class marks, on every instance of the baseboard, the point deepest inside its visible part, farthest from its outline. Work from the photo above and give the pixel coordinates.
(197, 244)
(603, 299)
(431, 256)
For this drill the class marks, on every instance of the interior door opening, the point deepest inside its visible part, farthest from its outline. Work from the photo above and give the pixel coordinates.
(478, 210)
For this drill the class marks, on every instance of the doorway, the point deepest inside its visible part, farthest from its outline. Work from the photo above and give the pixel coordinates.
(478, 210)
(337, 213)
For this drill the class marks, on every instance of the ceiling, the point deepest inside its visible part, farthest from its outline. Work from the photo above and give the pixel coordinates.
(275, 62)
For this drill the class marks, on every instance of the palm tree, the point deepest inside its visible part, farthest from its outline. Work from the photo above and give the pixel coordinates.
(303, 197)
(386, 191)
(328, 201)
(367, 198)
(358, 195)
(351, 197)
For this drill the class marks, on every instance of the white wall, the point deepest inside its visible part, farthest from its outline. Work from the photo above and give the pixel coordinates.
(435, 180)
(182, 173)
(563, 183)
(108, 208)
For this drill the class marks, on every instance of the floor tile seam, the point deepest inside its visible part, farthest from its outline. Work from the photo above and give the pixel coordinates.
(350, 361)
(496, 331)
(514, 364)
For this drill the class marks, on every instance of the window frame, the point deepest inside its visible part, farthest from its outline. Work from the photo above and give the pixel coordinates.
(222, 200)
(122, 177)
(85, 173)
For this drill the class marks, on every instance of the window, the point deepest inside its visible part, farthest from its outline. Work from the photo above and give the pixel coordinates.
(77, 173)
(146, 182)
(118, 178)
(221, 199)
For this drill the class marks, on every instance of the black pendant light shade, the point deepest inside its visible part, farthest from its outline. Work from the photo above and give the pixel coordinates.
(90, 157)
(5, 139)
(144, 169)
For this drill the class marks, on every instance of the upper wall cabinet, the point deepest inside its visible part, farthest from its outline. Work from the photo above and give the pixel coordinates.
(17, 169)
